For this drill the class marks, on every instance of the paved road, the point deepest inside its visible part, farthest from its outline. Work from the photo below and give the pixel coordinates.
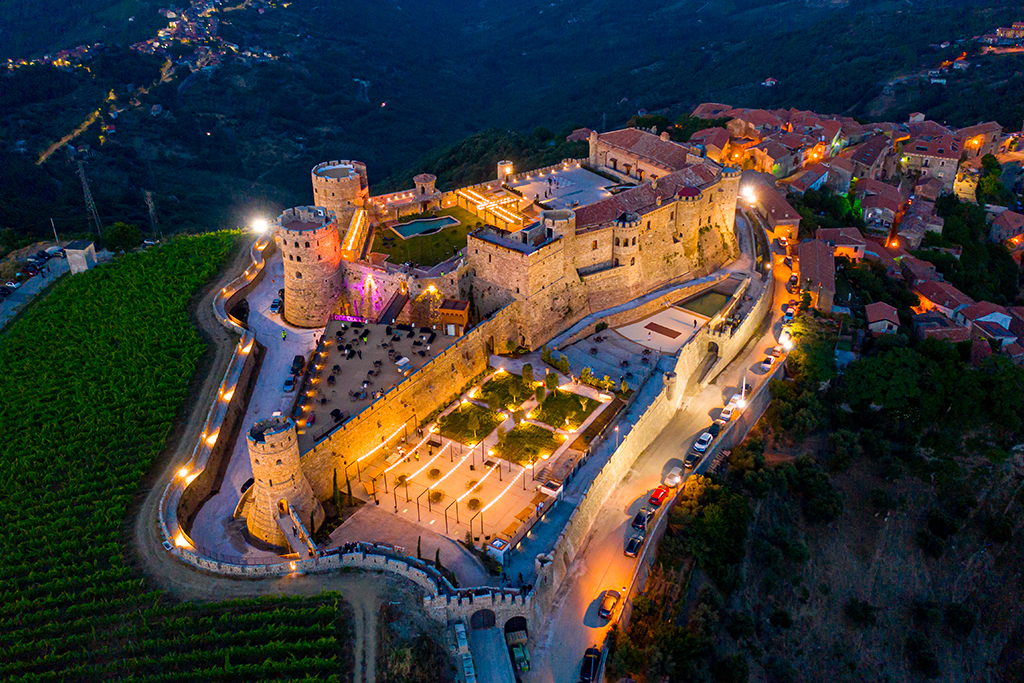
(574, 624)
(10, 305)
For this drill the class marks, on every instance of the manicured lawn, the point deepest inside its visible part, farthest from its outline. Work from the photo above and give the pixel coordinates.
(456, 424)
(510, 389)
(565, 410)
(526, 443)
(427, 250)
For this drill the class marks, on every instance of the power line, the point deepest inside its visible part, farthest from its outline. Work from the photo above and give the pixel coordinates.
(89, 203)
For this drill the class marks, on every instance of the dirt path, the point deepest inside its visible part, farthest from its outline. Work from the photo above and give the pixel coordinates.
(365, 609)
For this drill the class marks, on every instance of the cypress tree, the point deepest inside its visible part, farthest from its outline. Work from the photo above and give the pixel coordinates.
(419, 553)
(437, 558)
(348, 487)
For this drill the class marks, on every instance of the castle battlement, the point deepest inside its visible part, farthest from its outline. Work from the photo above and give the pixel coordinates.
(310, 246)
(339, 184)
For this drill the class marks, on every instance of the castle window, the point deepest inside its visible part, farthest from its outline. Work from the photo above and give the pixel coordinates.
(291, 257)
(699, 219)
(672, 216)
(488, 258)
(634, 241)
(319, 257)
(632, 261)
(616, 263)
(648, 225)
(709, 199)
(280, 462)
(593, 245)
(298, 276)
(296, 244)
(307, 245)
(298, 258)
(517, 290)
(616, 241)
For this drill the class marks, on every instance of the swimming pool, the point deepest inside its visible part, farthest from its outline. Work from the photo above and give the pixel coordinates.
(706, 304)
(424, 226)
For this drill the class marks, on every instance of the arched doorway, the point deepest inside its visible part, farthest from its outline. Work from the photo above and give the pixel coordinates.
(713, 348)
(483, 618)
(515, 624)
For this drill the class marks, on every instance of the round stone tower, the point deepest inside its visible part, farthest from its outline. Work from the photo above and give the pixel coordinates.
(279, 484)
(340, 184)
(505, 169)
(310, 245)
(425, 184)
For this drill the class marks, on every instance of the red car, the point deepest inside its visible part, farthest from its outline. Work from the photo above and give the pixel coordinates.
(659, 496)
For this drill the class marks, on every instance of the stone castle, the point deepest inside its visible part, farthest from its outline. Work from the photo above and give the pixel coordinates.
(668, 216)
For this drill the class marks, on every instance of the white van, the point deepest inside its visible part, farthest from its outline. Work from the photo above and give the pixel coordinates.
(402, 363)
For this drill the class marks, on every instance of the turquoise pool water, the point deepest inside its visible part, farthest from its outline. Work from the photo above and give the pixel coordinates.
(706, 304)
(423, 226)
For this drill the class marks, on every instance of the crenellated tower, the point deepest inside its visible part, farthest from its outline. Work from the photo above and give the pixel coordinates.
(340, 186)
(310, 246)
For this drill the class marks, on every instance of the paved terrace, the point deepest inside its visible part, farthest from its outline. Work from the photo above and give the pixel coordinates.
(564, 188)
(508, 494)
(356, 363)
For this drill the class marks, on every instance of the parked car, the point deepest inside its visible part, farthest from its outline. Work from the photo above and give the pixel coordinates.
(642, 518)
(591, 662)
(289, 384)
(31, 270)
(13, 284)
(150, 243)
(43, 255)
(634, 544)
(56, 252)
(714, 430)
(777, 351)
(727, 412)
(703, 441)
(298, 363)
(275, 306)
(787, 317)
(788, 261)
(674, 477)
(793, 286)
(659, 496)
(692, 458)
(311, 420)
(767, 363)
(608, 603)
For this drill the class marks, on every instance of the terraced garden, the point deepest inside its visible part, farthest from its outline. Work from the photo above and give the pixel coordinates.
(93, 377)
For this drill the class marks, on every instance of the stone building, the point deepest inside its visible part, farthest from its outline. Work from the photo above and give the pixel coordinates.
(340, 186)
(634, 155)
(310, 246)
(279, 484)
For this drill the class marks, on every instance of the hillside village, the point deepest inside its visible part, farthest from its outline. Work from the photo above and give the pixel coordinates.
(894, 176)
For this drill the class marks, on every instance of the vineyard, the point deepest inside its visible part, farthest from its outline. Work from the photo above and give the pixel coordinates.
(93, 376)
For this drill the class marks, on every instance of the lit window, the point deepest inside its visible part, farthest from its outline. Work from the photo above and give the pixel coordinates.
(593, 245)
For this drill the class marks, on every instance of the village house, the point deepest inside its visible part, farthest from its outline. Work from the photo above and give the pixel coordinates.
(840, 175)
(933, 156)
(714, 142)
(1007, 228)
(933, 325)
(987, 321)
(868, 158)
(882, 318)
(915, 271)
(783, 220)
(818, 273)
(938, 295)
(980, 139)
(846, 242)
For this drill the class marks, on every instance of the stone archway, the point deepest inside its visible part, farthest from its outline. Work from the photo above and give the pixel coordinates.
(483, 618)
(515, 624)
(713, 348)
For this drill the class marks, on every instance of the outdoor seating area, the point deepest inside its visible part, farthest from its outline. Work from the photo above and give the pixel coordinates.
(354, 364)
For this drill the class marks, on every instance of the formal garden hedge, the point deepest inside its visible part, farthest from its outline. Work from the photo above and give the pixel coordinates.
(93, 377)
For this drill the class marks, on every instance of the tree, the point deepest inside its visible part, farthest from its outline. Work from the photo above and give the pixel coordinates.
(437, 558)
(541, 394)
(348, 487)
(336, 496)
(494, 402)
(551, 382)
(517, 416)
(122, 237)
(312, 522)
(473, 423)
(419, 548)
(528, 374)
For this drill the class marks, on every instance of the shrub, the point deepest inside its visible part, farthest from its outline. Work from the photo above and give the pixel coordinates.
(860, 612)
(436, 496)
(601, 326)
(434, 473)
(921, 655)
(959, 619)
(473, 504)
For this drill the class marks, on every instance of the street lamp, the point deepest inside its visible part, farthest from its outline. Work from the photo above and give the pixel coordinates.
(260, 225)
(616, 437)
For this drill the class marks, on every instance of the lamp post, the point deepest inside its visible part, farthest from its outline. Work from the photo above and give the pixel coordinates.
(616, 437)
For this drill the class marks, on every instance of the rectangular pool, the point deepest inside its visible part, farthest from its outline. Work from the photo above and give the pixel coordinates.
(706, 304)
(424, 226)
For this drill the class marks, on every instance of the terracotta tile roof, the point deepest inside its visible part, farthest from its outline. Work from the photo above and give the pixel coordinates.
(933, 128)
(982, 309)
(870, 186)
(770, 199)
(773, 150)
(711, 110)
(806, 178)
(579, 134)
(920, 271)
(643, 198)
(942, 294)
(954, 335)
(711, 137)
(879, 311)
(841, 164)
(980, 350)
(869, 151)
(764, 121)
(979, 129)
(841, 237)
(935, 146)
(875, 201)
(930, 188)
(1006, 225)
(666, 153)
(817, 265)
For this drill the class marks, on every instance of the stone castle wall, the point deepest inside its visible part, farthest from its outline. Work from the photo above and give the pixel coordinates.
(312, 265)
(406, 406)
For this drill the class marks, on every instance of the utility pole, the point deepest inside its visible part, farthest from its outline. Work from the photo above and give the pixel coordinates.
(89, 203)
(55, 238)
(152, 211)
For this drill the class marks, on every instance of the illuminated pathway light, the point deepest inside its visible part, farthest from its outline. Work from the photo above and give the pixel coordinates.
(377, 448)
(414, 449)
(482, 480)
(429, 463)
(522, 472)
(449, 472)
